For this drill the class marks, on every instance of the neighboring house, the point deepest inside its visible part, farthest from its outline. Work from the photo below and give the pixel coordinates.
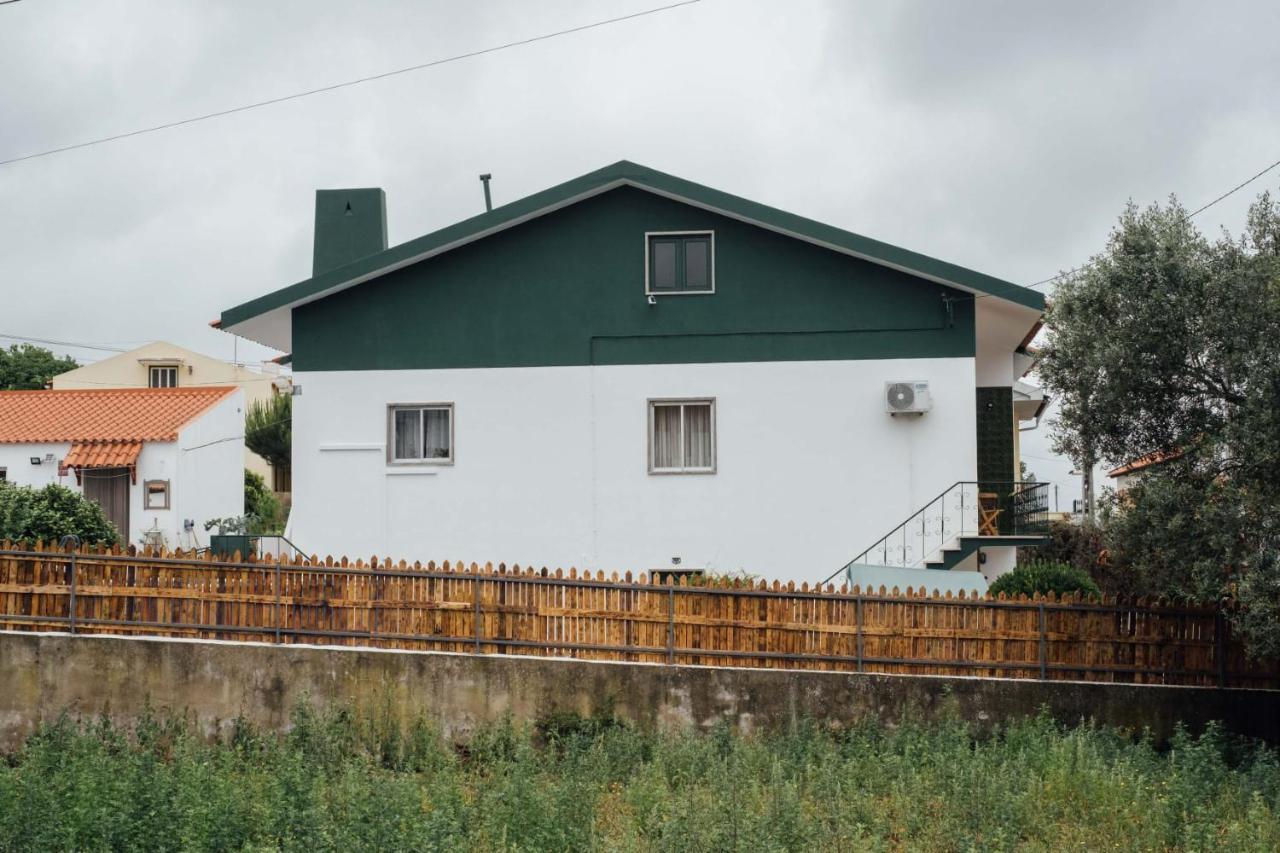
(631, 369)
(1129, 473)
(166, 365)
(160, 461)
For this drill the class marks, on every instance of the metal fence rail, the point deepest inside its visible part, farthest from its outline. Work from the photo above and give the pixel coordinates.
(554, 613)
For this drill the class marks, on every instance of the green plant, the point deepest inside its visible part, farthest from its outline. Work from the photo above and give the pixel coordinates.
(28, 514)
(340, 780)
(261, 505)
(24, 367)
(1038, 576)
(268, 429)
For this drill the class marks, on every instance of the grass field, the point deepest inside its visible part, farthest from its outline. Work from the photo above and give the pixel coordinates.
(337, 782)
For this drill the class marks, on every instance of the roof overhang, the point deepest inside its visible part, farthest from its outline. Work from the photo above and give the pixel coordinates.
(268, 319)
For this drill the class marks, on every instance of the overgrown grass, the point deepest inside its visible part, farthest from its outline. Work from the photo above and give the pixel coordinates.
(337, 782)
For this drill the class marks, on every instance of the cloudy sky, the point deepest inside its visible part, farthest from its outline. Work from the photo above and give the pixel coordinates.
(1004, 136)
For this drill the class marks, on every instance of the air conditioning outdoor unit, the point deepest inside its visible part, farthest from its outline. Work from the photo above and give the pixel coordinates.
(907, 398)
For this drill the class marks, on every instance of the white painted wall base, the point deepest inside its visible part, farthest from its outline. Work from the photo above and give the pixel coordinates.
(551, 465)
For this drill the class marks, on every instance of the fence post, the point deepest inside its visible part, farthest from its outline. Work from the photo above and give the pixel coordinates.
(671, 624)
(278, 601)
(373, 610)
(859, 609)
(475, 584)
(72, 543)
(71, 612)
(1220, 646)
(1044, 644)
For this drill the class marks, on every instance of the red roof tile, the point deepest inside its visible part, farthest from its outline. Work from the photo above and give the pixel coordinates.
(103, 454)
(105, 414)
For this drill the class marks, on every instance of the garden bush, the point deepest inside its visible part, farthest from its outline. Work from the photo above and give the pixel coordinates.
(1043, 576)
(344, 781)
(28, 515)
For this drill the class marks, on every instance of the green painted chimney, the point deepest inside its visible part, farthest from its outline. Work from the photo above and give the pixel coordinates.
(350, 224)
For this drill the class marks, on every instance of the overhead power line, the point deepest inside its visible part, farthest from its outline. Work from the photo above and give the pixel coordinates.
(348, 83)
(1199, 210)
(50, 342)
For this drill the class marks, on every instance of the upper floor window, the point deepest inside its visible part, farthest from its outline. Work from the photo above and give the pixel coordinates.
(421, 433)
(681, 262)
(162, 376)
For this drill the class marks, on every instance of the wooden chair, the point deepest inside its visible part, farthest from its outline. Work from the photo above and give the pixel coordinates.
(988, 514)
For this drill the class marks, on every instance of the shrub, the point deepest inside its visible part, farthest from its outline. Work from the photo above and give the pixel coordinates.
(261, 505)
(341, 781)
(28, 514)
(1044, 576)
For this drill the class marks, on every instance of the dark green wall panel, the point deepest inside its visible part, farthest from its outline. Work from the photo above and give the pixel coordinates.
(568, 289)
(995, 448)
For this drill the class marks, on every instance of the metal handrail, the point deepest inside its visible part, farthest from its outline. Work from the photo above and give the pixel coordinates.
(1018, 486)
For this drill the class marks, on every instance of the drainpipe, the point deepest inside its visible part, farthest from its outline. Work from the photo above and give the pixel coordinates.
(488, 203)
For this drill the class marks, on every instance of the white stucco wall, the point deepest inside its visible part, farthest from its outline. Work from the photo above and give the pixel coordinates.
(210, 461)
(551, 465)
(204, 482)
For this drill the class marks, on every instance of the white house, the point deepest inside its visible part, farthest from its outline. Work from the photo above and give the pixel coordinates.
(160, 461)
(630, 371)
(161, 364)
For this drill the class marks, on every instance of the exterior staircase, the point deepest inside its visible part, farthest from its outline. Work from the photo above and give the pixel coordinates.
(967, 516)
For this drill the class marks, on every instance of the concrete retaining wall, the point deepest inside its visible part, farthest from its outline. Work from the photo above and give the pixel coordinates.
(42, 675)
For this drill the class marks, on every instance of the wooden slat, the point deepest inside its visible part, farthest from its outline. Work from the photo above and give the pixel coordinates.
(582, 614)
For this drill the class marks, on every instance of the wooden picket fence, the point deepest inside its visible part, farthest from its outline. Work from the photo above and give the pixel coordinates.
(523, 611)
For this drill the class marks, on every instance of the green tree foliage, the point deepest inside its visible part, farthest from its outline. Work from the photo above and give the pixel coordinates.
(339, 781)
(24, 367)
(261, 505)
(1170, 342)
(268, 429)
(1044, 576)
(47, 514)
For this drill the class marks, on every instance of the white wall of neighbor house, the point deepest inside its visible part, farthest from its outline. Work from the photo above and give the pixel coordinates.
(157, 461)
(210, 463)
(204, 469)
(551, 465)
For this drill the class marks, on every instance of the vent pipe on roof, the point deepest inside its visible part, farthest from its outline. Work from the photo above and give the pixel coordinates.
(488, 203)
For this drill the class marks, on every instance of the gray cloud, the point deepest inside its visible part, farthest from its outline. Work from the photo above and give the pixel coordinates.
(1001, 135)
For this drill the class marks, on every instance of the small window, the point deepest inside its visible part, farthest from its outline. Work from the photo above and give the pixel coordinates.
(421, 433)
(680, 263)
(162, 377)
(4, 474)
(682, 436)
(155, 494)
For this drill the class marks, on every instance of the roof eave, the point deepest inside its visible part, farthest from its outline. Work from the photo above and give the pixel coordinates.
(604, 180)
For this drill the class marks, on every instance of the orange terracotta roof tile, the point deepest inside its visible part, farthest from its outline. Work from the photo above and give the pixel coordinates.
(103, 454)
(1143, 462)
(103, 414)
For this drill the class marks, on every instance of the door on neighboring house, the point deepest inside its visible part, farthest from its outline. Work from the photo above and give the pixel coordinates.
(109, 488)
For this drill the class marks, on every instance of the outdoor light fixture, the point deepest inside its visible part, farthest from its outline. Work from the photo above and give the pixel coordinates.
(36, 460)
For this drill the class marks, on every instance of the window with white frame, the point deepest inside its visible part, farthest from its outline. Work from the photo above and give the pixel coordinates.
(421, 433)
(162, 376)
(680, 262)
(682, 436)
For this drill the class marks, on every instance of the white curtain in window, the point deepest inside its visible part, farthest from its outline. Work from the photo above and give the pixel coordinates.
(697, 435)
(435, 428)
(666, 437)
(408, 434)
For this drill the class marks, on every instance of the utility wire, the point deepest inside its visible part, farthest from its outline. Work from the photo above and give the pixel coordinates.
(335, 86)
(50, 342)
(1199, 210)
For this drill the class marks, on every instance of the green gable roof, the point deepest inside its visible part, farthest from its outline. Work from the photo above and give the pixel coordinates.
(622, 173)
